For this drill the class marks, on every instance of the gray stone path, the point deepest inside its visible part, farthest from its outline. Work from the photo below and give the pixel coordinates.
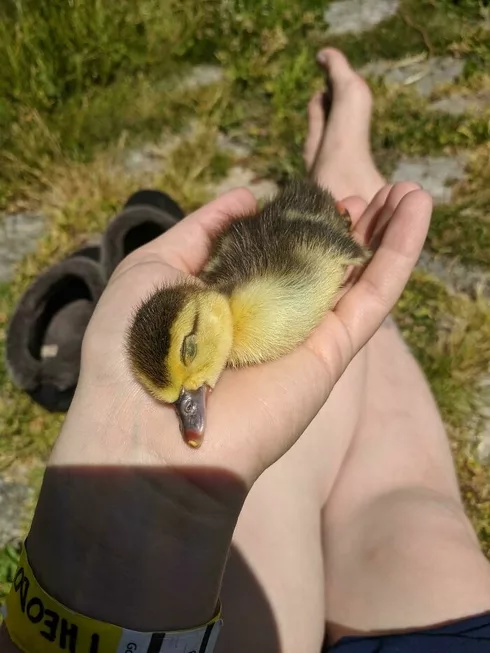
(13, 499)
(358, 15)
(201, 75)
(19, 234)
(457, 104)
(457, 277)
(423, 74)
(434, 174)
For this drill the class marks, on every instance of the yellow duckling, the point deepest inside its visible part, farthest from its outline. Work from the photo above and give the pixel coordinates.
(270, 279)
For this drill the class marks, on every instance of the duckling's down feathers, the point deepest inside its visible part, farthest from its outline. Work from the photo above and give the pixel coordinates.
(276, 240)
(149, 335)
(269, 280)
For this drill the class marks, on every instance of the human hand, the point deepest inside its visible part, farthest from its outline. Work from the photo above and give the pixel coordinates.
(255, 414)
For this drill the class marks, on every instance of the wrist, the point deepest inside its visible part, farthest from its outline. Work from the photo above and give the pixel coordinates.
(137, 545)
(112, 425)
(106, 545)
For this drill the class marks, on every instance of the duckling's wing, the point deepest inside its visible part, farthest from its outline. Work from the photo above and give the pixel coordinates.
(245, 249)
(300, 220)
(307, 214)
(304, 199)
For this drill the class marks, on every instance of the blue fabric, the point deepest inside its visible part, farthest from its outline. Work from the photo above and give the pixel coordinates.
(470, 635)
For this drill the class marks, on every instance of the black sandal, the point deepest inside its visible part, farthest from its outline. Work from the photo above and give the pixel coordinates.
(44, 337)
(145, 216)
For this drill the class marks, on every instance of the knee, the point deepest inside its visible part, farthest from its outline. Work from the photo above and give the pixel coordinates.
(413, 524)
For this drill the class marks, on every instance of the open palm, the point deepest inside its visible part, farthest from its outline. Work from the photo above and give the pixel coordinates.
(255, 414)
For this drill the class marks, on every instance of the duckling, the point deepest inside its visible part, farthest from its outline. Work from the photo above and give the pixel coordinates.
(269, 280)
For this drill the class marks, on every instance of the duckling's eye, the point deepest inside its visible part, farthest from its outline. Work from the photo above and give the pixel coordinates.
(189, 349)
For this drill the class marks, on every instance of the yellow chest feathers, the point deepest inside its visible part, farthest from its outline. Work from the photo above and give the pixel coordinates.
(273, 314)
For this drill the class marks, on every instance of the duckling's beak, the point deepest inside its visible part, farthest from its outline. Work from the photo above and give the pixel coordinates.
(191, 409)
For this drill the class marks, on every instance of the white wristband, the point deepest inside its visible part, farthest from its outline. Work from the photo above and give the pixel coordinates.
(38, 623)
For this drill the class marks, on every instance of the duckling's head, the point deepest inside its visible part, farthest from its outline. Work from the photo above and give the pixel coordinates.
(178, 344)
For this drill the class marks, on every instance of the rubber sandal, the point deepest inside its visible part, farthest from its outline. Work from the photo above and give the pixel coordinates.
(145, 216)
(44, 337)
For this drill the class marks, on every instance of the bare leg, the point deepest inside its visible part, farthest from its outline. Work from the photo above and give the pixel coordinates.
(399, 550)
(337, 150)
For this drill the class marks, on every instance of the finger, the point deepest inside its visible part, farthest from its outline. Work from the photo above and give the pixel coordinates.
(368, 219)
(372, 224)
(355, 207)
(396, 194)
(186, 246)
(370, 300)
(316, 126)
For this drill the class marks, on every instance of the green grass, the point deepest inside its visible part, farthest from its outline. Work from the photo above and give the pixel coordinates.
(403, 121)
(431, 25)
(83, 81)
(65, 72)
(462, 228)
(450, 336)
(9, 558)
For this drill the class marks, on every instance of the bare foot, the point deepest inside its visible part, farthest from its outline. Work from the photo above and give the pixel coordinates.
(337, 151)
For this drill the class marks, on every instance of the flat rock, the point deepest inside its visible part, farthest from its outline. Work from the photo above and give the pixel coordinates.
(150, 158)
(230, 146)
(201, 76)
(358, 15)
(456, 276)
(483, 447)
(144, 160)
(423, 75)
(433, 173)
(457, 105)
(13, 497)
(239, 177)
(19, 234)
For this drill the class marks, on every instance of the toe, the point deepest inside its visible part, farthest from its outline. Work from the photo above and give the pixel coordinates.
(315, 110)
(316, 125)
(342, 76)
(335, 64)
